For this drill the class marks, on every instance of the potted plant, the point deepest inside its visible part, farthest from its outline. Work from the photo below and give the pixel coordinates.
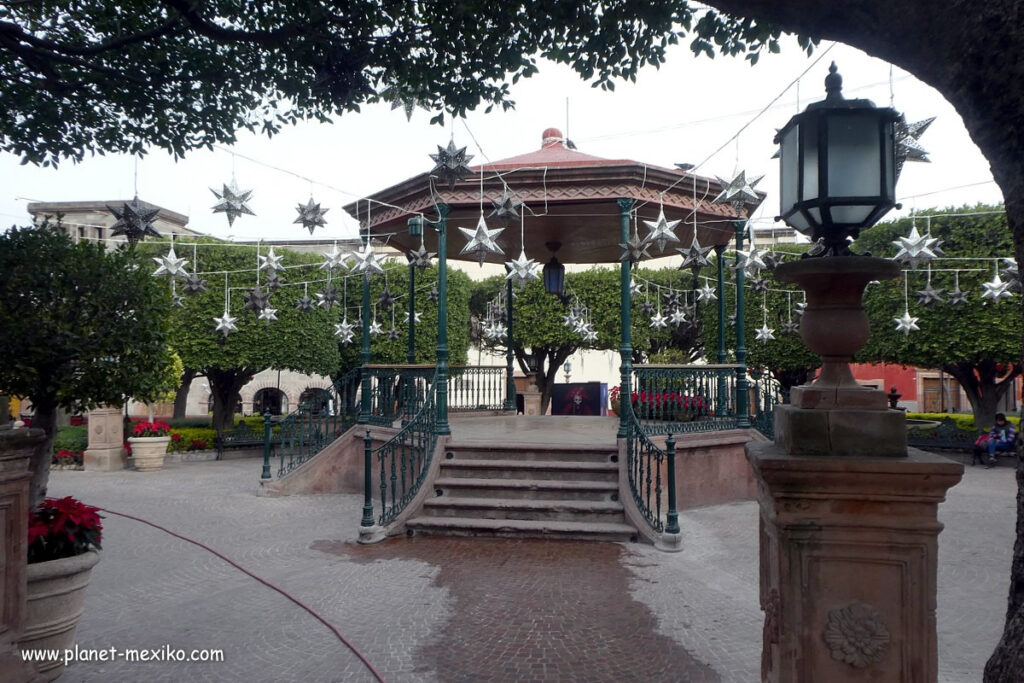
(148, 443)
(63, 539)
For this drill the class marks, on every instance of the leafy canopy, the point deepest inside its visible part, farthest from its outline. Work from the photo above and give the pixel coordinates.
(179, 74)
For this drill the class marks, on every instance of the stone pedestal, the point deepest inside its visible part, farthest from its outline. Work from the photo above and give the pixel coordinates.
(106, 441)
(531, 401)
(848, 564)
(15, 448)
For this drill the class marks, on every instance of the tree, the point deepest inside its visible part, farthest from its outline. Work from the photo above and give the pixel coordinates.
(297, 340)
(82, 327)
(976, 343)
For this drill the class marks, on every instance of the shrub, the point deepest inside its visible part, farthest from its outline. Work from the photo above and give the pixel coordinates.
(191, 439)
(189, 422)
(61, 528)
(74, 439)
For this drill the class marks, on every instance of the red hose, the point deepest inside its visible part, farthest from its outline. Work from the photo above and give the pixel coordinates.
(266, 583)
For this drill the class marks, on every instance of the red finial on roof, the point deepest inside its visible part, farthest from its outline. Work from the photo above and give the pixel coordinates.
(552, 137)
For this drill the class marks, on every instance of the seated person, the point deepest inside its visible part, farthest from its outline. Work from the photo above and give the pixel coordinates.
(1001, 438)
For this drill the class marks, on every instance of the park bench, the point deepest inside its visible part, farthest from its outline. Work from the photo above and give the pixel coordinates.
(242, 436)
(946, 436)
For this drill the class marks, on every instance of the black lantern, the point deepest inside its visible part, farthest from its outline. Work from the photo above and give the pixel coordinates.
(838, 163)
(415, 226)
(554, 272)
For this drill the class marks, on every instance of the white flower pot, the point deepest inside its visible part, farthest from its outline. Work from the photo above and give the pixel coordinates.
(148, 452)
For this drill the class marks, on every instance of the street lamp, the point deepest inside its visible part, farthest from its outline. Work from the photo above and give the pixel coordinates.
(554, 272)
(838, 163)
(567, 368)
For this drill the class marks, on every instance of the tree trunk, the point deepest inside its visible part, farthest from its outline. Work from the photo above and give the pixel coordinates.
(225, 386)
(181, 395)
(1007, 662)
(45, 418)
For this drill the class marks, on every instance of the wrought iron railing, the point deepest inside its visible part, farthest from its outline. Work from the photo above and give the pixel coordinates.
(477, 387)
(767, 394)
(651, 471)
(396, 392)
(670, 399)
(304, 433)
(402, 462)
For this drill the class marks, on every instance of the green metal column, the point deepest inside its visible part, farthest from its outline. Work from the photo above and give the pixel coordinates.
(410, 352)
(367, 481)
(625, 310)
(266, 446)
(722, 406)
(510, 384)
(367, 355)
(442, 426)
(742, 411)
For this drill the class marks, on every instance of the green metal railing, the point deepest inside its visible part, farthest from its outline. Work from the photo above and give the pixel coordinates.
(767, 394)
(402, 461)
(477, 387)
(396, 391)
(651, 471)
(670, 399)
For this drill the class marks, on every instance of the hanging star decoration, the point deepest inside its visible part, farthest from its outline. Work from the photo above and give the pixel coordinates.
(907, 146)
(800, 309)
(451, 164)
(671, 299)
(273, 281)
(256, 299)
(344, 331)
(731, 319)
(758, 284)
(334, 259)
(929, 295)
(481, 241)
(394, 334)
(177, 300)
(494, 331)
(134, 221)
(1012, 274)
(226, 324)
(706, 293)
(304, 304)
(505, 209)
(957, 297)
(170, 265)
(738, 192)
(366, 262)
(375, 328)
(433, 294)
(634, 250)
(634, 288)
(906, 323)
(194, 284)
(677, 317)
(750, 261)
(647, 308)
(915, 248)
(420, 258)
(268, 314)
(311, 216)
(522, 270)
(232, 202)
(416, 317)
(271, 262)
(765, 333)
(773, 259)
(662, 231)
(570, 320)
(328, 297)
(694, 256)
(997, 290)
(589, 334)
(658, 321)
(386, 299)
(790, 327)
(400, 99)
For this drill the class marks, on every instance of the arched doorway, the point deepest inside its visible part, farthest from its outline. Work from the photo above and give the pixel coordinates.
(270, 400)
(315, 400)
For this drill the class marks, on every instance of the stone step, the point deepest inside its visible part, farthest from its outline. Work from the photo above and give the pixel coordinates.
(518, 508)
(529, 469)
(521, 528)
(482, 450)
(535, 489)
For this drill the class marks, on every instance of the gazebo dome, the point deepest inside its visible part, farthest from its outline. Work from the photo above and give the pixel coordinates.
(570, 198)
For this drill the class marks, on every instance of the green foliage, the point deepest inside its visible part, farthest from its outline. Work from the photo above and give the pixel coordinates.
(189, 422)
(188, 437)
(82, 326)
(74, 439)
(180, 75)
(976, 332)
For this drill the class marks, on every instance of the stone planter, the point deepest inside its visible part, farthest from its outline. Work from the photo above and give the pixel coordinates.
(148, 452)
(56, 598)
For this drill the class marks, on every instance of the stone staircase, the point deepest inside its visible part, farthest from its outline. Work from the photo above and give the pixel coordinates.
(526, 491)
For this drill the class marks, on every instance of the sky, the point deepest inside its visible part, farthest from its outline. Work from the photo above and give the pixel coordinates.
(693, 109)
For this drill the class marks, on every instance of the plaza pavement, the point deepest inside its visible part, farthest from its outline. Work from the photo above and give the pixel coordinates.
(464, 610)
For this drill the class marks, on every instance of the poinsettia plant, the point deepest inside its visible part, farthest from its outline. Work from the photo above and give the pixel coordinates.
(62, 527)
(155, 428)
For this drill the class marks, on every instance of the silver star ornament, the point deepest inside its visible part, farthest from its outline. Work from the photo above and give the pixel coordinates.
(907, 146)
(506, 209)
(344, 331)
(522, 270)
(695, 256)
(957, 297)
(271, 261)
(765, 333)
(450, 164)
(916, 248)
(738, 192)
(706, 293)
(658, 321)
(226, 323)
(790, 327)
(634, 250)
(929, 295)
(268, 314)
(997, 290)
(311, 216)
(481, 241)
(232, 202)
(334, 259)
(420, 258)
(366, 262)
(662, 231)
(375, 328)
(134, 221)
(906, 323)
(170, 265)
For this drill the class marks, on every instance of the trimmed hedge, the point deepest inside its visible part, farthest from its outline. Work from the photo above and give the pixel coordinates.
(962, 420)
(186, 438)
(74, 439)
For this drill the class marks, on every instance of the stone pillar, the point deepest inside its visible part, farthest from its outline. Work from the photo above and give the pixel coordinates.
(16, 445)
(849, 528)
(106, 441)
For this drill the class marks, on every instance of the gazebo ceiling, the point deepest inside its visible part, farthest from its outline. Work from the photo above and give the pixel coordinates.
(569, 198)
